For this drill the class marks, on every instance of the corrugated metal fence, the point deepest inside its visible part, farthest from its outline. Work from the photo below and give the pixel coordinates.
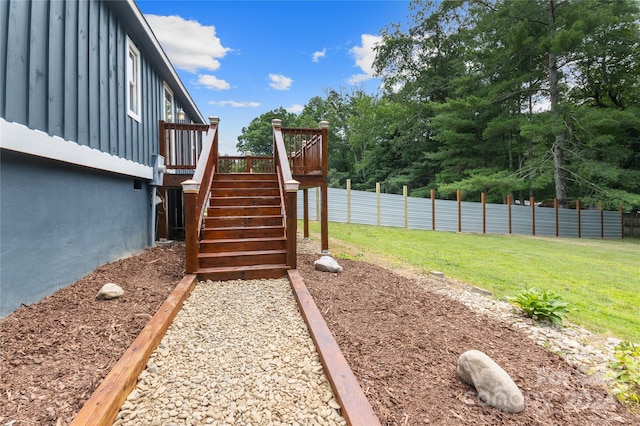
(371, 208)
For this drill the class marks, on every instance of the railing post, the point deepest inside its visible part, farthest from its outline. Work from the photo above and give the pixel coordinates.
(190, 188)
(213, 122)
(324, 125)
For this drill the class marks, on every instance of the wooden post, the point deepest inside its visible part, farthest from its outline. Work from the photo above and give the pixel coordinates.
(483, 199)
(601, 220)
(305, 194)
(292, 226)
(459, 210)
(579, 219)
(348, 200)
(621, 221)
(532, 202)
(190, 188)
(405, 193)
(509, 202)
(324, 224)
(378, 201)
(248, 162)
(555, 206)
(433, 209)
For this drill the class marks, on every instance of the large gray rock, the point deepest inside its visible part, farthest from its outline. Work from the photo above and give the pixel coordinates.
(109, 291)
(494, 386)
(327, 264)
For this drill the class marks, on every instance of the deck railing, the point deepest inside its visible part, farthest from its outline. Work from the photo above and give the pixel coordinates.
(196, 194)
(246, 164)
(288, 191)
(307, 150)
(181, 145)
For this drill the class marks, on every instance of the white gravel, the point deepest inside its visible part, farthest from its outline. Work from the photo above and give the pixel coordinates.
(238, 353)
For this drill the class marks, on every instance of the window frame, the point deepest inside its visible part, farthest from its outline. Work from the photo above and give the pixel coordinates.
(165, 89)
(132, 51)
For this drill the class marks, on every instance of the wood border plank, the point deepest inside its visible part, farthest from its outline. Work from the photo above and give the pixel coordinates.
(355, 407)
(105, 402)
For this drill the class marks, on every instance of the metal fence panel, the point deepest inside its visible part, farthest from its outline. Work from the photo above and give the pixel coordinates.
(421, 213)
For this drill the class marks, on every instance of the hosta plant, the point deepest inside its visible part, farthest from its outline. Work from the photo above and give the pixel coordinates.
(626, 373)
(543, 306)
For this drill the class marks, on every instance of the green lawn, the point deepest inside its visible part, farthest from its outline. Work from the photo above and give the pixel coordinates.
(600, 279)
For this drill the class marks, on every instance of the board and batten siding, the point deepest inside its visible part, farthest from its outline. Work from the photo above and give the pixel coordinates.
(67, 77)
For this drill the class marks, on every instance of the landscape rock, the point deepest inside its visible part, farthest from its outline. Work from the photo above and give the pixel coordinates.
(494, 386)
(109, 291)
(327, 264)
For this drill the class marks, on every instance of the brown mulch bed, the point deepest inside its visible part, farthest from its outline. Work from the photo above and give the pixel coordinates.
(54, 353)
(401, 341)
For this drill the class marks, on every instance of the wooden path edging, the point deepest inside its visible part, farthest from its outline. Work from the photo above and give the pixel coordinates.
(105, 402)
(355, 407)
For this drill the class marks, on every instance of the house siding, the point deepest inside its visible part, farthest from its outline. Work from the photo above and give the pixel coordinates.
(67, 78)
(67, 206)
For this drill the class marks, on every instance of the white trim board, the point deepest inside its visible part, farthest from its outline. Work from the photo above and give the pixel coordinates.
(19, 138)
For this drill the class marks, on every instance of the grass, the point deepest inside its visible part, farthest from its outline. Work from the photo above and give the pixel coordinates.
(600, 279)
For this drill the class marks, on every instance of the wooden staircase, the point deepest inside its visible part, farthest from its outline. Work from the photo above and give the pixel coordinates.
(244, 234)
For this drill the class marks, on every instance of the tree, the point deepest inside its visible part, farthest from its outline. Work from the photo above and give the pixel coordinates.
(258, 136)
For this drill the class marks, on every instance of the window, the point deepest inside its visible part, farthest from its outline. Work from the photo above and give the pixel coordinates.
(168, 104)
(133, 81)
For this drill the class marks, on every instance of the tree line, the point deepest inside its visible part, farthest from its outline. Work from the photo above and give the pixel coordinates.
(530, 98)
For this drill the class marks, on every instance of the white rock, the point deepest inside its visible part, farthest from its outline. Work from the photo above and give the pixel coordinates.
(494, 386)
(109, 291)
(327, 264)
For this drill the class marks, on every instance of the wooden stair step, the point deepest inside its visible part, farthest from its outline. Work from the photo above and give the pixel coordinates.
(241, 258)
(243, 232)
(246, 176)
(244, 192)
(244, 201)
(251, 272)
(242, 221)
(242, 244)
(245, 184)
(252, 210)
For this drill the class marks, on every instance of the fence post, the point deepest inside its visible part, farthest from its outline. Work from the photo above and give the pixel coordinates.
(601, 220)
(459, 210)
(483, 199)
(348, 200)
(378, 201)
(579, 219)
(305, 197)
(555, 206)
(621, 221)
(406, 206)
(532, 201)
(509, 201)
(433, 209)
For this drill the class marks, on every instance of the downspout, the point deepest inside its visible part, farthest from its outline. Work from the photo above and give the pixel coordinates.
(158, 174)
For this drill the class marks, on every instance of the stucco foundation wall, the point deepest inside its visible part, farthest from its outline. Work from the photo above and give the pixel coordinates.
(59, 222)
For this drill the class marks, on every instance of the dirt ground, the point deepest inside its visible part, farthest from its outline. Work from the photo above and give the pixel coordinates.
(401, 341)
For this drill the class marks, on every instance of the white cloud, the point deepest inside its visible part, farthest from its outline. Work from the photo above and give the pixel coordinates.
(295, 108)
(235, 104)
(364, 56)
(320, 54)
(189, 45)
(280, 82)
(212, 82)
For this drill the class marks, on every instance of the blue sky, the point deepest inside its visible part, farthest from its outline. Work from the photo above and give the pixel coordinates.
(240, 59)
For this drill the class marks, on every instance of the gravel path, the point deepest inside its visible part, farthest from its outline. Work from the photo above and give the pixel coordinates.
(237, 353)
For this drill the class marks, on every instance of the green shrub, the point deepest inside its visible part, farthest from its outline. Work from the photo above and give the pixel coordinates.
(626, 373)
(545, 306)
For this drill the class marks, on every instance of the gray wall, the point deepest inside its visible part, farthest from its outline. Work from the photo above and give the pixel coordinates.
(59, 222)
(62, 71)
